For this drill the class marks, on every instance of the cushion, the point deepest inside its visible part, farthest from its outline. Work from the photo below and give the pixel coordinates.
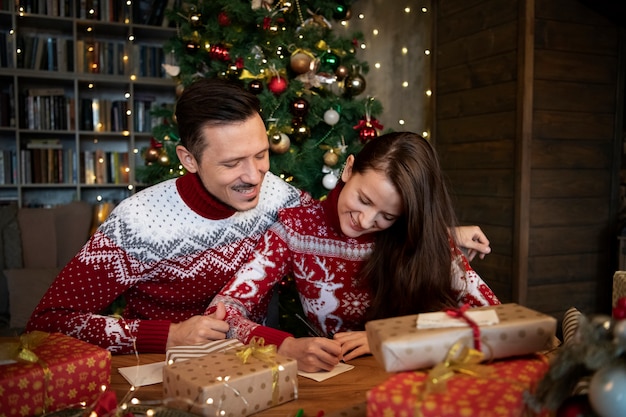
(38, 231)
(26, 287)
(52, 236)
(73, 224)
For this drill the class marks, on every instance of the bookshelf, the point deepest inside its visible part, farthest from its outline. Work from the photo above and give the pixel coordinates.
(78, 79)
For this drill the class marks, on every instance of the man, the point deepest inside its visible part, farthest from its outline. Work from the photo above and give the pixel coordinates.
(170, 248)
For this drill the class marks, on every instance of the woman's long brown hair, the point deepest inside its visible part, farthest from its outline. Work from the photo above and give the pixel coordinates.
(409, 270)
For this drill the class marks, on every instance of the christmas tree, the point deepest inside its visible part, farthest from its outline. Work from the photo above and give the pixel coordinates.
(310, 82)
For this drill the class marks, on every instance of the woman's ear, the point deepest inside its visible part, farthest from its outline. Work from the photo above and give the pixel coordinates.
(346, 173)
(186, 159)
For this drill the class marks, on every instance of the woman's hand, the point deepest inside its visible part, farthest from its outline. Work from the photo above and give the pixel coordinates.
(353, 344)
(313, 354)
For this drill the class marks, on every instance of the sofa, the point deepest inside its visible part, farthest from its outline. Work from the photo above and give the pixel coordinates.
(35, 243)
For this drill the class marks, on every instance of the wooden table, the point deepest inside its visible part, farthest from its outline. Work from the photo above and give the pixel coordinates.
(342, 395)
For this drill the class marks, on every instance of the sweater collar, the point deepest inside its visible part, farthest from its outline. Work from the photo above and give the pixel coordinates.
(199, 200)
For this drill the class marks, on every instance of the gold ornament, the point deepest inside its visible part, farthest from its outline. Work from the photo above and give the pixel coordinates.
(331, 158)
(279, 143)
(164, 159)
(152, 155)
(300, 62)
(179, 89)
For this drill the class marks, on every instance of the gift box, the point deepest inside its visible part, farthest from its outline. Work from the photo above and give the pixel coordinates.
(497, 389)
(182, 353)
(619, 286)
(52, 372)
(237, 382)
(399, 345)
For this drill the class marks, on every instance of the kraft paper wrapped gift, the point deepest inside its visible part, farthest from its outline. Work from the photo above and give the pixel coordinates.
(238, 382)
(497, 390)
(399, 345)
(619, 286)
(58, 372)
(182, 353)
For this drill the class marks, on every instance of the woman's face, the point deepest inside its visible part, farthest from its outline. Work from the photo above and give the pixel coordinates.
(368, 202)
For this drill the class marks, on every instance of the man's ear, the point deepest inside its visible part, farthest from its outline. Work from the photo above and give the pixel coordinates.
(186, 159)
(346, 173)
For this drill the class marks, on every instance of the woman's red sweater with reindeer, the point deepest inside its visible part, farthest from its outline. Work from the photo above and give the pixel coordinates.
(307, 244)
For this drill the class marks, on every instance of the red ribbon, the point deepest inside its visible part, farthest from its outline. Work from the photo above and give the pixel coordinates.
(155, 144)
(368, 123)
(459, 313)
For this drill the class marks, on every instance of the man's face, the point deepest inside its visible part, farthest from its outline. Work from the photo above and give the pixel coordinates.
(234, 162)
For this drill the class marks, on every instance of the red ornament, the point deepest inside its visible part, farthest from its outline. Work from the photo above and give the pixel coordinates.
(576, 406)
(219, 52)
(277, 85)
(368, 129)
(300, 107)
(223, 19)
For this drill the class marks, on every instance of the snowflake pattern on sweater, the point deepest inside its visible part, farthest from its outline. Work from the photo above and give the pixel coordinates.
(306, 243)
(168, 249)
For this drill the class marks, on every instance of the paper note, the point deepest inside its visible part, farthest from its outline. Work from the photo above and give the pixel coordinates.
(321, 376)
(141, 375)
(440, 319)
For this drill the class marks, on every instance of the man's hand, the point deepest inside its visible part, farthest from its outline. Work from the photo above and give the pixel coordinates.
(313, 354)
(199, 329)
(474, 240)
(353, 344)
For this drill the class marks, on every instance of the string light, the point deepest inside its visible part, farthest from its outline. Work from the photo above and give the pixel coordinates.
(413, 69)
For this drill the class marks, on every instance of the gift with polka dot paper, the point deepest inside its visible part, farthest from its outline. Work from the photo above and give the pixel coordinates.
(50, 372)
(399, 345)
(496, 389)
(619, 286)
(235, 382)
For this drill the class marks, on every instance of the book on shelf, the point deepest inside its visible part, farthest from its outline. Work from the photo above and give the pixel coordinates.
(8, 167)
(44, 144)
(46, 165)
(88, 167)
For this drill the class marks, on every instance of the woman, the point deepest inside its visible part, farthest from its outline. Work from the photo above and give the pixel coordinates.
(379, 246)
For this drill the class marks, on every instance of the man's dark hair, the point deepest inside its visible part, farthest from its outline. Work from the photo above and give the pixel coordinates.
(209, 102)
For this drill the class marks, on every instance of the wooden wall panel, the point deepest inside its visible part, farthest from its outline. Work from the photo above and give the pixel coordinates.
(529, 155)
(483, 44)
(548, 212)
(570, 182)
(472, 155)
(549, 153)
(555, 94)
(483, 127)
(476, 122)
(483, 72)
(494, 98)
(555, 269)
(556, 299)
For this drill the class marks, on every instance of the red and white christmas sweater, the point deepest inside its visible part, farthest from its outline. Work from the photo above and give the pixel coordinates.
(307, 244)
(168, 250)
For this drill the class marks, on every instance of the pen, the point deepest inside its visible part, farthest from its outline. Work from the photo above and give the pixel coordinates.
(312, 329)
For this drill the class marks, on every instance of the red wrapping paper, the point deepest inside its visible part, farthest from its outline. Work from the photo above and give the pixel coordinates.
(496, 393)
(77, 372)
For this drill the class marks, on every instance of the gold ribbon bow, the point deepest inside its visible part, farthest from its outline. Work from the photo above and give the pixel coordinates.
(460, 359)
(257, 349)
(24, 351)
